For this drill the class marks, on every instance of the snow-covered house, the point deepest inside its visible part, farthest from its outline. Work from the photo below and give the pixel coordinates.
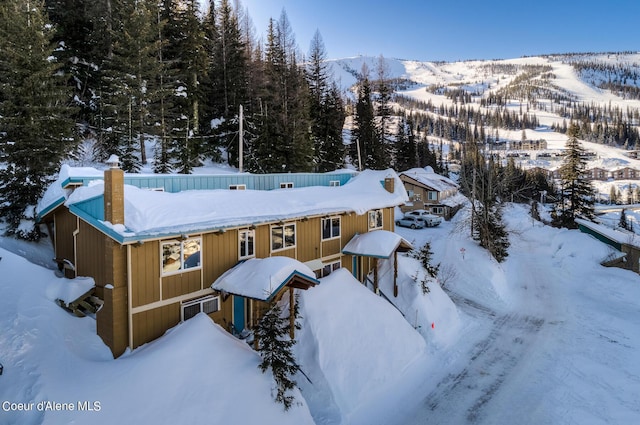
(155, 244)
(430, 191)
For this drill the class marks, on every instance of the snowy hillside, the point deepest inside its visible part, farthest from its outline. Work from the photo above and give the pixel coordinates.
(557, 82)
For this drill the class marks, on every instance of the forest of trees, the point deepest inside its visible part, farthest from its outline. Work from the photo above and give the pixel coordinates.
(157, 77)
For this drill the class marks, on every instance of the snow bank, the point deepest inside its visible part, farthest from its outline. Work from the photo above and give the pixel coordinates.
(351, 346)
(196, 373)
(434, 315)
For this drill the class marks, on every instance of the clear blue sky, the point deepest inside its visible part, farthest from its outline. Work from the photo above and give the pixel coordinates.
(453, 30)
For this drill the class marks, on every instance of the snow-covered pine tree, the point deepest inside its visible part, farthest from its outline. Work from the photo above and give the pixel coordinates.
(274, 346)
(36, 129)
(624, 223)
(576, 192)
(326, 110)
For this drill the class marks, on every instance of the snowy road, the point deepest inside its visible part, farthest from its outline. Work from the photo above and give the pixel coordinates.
(561, 349)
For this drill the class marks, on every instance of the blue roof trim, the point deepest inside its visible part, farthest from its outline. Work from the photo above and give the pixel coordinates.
(284, 282)
(101, 226)
(52, 206)
(363, 255)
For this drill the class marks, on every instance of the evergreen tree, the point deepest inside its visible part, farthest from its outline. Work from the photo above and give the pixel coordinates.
(326, 110)
(130, 84)
(283, 142)
(481, 181)
(227, 84)
(367, 149)
(275, 347)
(36, 129)
(576, 192)
(624, 223)
(385, 147)
(184, 60)
(406, 146)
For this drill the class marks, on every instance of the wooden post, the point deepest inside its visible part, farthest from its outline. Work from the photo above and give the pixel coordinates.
(395, 273)
(375, 275)
(292, 318)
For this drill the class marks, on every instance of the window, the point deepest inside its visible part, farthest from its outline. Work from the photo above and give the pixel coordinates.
(246, 243)
(208, 304)
(237, 187)
(283, 236)
(432, 195)
(375, 219)
(286, 185)
(437, 210)
(334, 183)
(330, 267)
(180, 255)
(330, 228)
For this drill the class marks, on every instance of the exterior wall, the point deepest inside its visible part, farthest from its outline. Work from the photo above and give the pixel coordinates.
(141, 303)
(633, 257)
(151, 324)
(91, 255)
(65, 224)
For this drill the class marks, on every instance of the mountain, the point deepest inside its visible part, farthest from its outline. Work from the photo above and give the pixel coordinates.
(530, 97)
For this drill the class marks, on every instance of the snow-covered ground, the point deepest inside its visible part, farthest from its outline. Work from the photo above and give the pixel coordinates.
(547, 337)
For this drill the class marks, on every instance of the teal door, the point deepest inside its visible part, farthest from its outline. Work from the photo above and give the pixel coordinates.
(238, 313)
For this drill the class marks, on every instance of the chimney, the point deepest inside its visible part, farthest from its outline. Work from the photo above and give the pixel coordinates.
(114, 192)
(389, 184)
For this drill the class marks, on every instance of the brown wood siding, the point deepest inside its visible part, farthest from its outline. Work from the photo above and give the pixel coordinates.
(65, 225)
(91, 254)
(332, 246)
(352, 224)
(387, 219)
(263, 241)
(220, 253)
(224, 316)
(151, 324)
(290, 252)
(308, 239)
(181, 284)
(145, 273)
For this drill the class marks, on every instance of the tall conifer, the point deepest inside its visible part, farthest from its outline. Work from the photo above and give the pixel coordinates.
(37, 132)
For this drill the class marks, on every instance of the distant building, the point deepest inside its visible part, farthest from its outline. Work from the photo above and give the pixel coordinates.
(430, 191)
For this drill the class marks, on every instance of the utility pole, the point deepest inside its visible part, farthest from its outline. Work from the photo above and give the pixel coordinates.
(240, 142)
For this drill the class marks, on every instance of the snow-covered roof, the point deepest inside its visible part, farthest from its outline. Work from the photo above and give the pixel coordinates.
(151, 213)
(378, 243)
(262, 278)
(626, 238)
(429, 178)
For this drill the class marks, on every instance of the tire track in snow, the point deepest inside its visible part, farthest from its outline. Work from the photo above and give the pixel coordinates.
(461, 397)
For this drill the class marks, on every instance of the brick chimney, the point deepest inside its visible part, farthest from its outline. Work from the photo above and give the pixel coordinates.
(114, 192)
(389, 184)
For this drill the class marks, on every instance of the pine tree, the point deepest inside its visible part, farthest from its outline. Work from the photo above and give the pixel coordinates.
(37, 132)
(624, 223)
(275, 347)
(576, 192)
(326, 110)
(382, 155)
(130, 84)
(367, 149)
(283, 142)
(184, 59)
